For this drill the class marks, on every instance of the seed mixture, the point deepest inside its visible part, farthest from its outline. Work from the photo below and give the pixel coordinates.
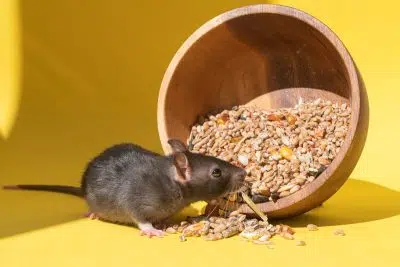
(282, 150)
(215, 228)
(312, 227)
(300, 243)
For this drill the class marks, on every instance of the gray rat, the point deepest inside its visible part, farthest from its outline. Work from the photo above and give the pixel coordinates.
(131, 185)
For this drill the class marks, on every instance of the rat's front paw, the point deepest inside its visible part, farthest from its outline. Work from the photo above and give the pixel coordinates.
(148, 230)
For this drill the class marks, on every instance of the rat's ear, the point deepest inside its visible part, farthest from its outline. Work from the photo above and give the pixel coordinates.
(177, 146)
(182, 167)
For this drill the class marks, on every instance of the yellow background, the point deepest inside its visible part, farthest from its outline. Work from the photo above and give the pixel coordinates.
(76, 76)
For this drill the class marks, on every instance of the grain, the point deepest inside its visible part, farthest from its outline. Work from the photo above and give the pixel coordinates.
(339, 232)
(282, 150)
(312, 227)
(300, 243)
(254, 207)
(287, 236)
(213, 237)
(171, 230)
(217, 228)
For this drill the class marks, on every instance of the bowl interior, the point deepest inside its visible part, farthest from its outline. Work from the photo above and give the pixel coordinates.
(247, 57)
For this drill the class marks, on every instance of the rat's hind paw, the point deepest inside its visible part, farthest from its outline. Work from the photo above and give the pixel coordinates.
(147, 229)
(91, 215)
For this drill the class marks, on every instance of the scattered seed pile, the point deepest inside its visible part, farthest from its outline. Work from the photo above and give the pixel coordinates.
(216, 228)
(252, 230)
(282, 150)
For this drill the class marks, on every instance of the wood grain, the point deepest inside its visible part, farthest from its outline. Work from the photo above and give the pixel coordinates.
(267, 55)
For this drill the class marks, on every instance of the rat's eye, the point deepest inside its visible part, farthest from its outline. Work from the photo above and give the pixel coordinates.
(216, 173)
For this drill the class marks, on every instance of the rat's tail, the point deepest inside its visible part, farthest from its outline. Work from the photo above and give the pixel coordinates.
(70, 190)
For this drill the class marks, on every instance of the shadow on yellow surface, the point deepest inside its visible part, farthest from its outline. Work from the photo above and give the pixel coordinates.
(357, 202)
(26, 211)
(90, 74)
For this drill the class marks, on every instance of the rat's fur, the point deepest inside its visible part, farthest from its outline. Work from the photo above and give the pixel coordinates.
(129, 184)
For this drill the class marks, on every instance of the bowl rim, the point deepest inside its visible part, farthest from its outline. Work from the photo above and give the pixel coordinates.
(324, 30)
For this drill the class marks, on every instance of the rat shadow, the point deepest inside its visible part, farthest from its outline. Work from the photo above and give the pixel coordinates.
(23, 211)
(356, 202)
(192, 211)
(29, 210)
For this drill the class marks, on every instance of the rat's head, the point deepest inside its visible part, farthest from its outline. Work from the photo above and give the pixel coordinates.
(205, 177)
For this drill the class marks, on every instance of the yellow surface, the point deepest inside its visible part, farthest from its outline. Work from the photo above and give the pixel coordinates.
(9, 65)
(89, 77)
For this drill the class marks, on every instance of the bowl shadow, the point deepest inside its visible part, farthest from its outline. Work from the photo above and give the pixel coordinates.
(356, 202)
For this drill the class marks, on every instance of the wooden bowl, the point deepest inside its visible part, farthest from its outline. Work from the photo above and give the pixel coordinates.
(268, 55)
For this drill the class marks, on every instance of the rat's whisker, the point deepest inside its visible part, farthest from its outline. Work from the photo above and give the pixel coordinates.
(225, 206)
(228, 205)
(211, 212)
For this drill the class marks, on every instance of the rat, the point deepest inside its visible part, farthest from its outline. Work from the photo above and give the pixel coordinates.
(131, 185)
